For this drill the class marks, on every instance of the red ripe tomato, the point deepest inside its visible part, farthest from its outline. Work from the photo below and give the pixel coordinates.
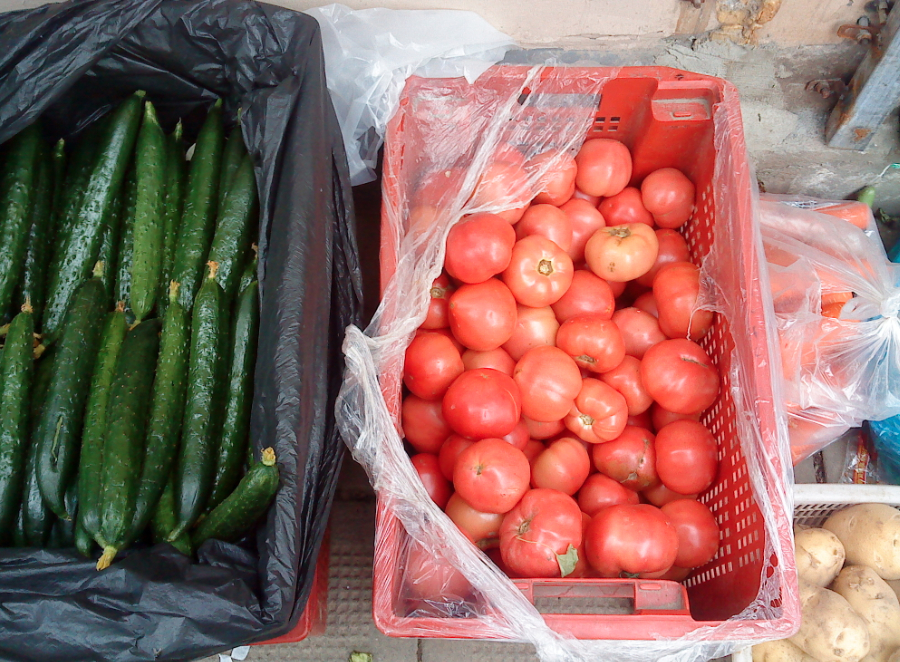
(483, 316)
(585, 220)
(581, 195)
(519, 437)
(600, 491)
(593, 342)
(563, 466)
(558, 183)
(428, 467)
(481, 528)
(639, 329)
(546, 221)
(498, 359)
(625, 207)
(680, 376)
(534, 327)
(543, 429)
(442, 332)
(538, 532)
(676, 289)
(672, 248)
(491, 475)
(662, 417)
(482, 403)
(647, 303)
(599, 414)
(630, 539)
(641, 420)
(429, 576)
(629, 458)
(582, 567)
(437, 317)
(450, 450)
(626, 379)
(686, 457)
(587, 295)
(548, 380)
(479, 247)
(698, 533)
(423, 424)
(622, 252)
(432, 363)
(504, 184)
(539, 273)
(532, 449)
(669, 196)
(673, 574)
(659, 495)
(604, 167)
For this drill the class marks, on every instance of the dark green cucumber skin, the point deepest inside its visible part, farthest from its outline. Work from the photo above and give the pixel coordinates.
(234, 228)
(58, 166)
(42, 374)
(18, 534)
(90, 463)
(163, 521)
(17, 195)
(84, 543)
(241, 509)
(62, 415)
(123, 448)
(166, 412)
(198, 217)
(76, 255)
(176, 174)
(236, 425)
(147, 256)
(78, 172)
(126, 241)
(248, 276)
(65, 528)
(16, 371)
(109, 248)
(232, 156)
(33, 285)
(37, 519)
(195, 469)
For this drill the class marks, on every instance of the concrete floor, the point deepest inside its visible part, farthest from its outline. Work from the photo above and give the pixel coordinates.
(783, 125)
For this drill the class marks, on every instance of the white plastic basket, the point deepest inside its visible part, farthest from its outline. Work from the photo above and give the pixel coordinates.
(813, 503)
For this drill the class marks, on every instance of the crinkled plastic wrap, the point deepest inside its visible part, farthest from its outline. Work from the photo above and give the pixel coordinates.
(837, 371)
(70, 63)
(444, 157)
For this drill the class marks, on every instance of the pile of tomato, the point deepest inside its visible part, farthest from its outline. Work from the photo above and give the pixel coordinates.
(555, 388)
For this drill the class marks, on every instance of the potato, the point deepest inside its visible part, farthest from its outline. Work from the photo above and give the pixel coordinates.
(870, 533)
(895, 585)
(820, 556)
(895, 656)
(779, 651)
(872, 598)
(830, 630)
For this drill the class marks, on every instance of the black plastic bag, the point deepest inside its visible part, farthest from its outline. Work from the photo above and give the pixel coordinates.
(70, 63)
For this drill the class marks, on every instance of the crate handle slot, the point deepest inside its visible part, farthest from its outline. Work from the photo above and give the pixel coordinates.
(642, 596)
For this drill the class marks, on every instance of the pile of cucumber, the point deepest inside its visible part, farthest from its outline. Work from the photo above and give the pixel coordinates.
(131, 314)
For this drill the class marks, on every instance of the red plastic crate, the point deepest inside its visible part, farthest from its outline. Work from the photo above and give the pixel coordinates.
(314, 618)
(665, 117)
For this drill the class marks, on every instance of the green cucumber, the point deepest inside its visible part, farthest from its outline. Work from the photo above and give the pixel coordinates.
(236, 426)
(42, 375)
(195, 469)
(126, 242)
(78, 251)
(37, 519)
(58, 166)
(243, 507)
(251, 263)
(18, 535)
(233, 153)
(166, 410)
(37, 252)
(123, 448)
(90, 463)
(109, 248)
(17, 195)
(78, 173)
(234, 227)
(84, 543)
(176, 173)
(60, 424)
(198, 218)
(65, 528)
(15, 385)
(164, 521)
(150, 158)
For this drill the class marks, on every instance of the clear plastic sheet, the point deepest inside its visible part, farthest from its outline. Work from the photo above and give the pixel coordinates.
(837, 372)
(468, 137)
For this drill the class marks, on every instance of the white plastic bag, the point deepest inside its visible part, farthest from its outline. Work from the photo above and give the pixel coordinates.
(837, 305)
(370, 53)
